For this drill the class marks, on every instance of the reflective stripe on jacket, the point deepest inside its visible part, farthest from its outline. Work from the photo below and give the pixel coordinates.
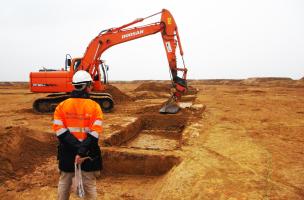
(80, 116)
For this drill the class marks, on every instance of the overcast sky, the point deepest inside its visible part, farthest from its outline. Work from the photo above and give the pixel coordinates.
(220, 38)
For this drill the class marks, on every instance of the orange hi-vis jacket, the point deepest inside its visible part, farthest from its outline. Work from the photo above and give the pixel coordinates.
(80, 116)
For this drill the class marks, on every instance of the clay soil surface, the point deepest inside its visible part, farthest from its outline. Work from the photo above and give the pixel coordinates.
(234, 139)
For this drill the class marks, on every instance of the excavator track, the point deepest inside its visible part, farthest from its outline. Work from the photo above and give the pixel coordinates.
(49, 103)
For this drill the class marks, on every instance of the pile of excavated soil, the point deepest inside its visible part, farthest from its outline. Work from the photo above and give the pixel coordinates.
(118, 95)
(152, 90)
(20, 153)
(154, 87)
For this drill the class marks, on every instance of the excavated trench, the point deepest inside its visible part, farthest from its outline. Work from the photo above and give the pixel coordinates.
(117, 161)
(145, 146)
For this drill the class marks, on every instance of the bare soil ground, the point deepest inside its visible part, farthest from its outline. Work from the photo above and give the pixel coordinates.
(235, 139)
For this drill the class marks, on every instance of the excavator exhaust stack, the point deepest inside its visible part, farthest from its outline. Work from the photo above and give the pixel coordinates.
(170, 107)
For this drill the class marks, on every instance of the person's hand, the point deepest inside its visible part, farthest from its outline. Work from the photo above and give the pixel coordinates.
(79, 159)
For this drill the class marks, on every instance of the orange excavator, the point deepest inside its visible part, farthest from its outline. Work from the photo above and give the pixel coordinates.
(59, 82)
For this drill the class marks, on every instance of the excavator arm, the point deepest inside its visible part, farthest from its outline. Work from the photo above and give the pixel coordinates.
(113, 36)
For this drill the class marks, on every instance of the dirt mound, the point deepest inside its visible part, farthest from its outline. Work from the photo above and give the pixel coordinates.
(19, 153)
(153, 86)
(152, 90)
(117, 94)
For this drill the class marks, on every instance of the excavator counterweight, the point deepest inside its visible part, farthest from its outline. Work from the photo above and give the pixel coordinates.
(59, 81)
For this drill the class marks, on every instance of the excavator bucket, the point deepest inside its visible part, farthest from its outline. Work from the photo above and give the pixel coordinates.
(170, 107)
